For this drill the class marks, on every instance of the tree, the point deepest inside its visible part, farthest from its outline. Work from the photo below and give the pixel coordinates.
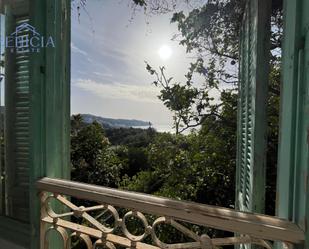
(199, 167)
(92, 158)
(76, 124)
(212, 33)
(190, 105)
(192, 166)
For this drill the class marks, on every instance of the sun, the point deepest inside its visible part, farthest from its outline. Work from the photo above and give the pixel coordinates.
(165, 52)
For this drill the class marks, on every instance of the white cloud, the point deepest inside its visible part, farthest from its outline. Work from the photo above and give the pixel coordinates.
(77, 50)
(122, 91)
(109, 75)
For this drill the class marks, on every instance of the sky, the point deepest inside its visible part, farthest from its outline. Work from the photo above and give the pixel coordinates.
(108, 75)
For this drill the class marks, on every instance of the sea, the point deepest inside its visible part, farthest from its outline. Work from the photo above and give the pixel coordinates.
(159, 127)
(164, 128)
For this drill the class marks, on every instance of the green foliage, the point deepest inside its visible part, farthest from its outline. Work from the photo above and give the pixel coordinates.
(137, 160)
(192, 167)
(92, 158)
(103, 157)
(215, 27)
(212, 32)
(131, 137)
(189, 104)
(130, 145)
(88, 144)
(140, 2)
(200, 166)
(155, 7)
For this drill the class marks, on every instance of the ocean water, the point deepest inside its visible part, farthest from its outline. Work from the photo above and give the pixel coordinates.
(159, 127)
(165, 128)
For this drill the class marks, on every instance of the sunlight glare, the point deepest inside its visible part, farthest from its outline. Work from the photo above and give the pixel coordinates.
(165, 52)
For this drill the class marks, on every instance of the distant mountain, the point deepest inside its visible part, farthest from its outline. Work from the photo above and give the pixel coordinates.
(113, 123)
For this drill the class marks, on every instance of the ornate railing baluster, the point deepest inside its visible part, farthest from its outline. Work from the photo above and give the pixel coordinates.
(256, 229)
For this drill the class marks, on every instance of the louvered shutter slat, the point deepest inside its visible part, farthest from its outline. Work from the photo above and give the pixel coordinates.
(251, 152)
(17, 130)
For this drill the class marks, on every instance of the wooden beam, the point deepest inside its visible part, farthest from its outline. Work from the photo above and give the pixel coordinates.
(255, 225)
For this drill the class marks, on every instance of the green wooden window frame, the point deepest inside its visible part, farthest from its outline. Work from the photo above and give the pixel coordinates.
(293, 159)
(49, 110)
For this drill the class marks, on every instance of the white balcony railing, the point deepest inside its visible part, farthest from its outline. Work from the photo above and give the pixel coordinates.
(253, 228)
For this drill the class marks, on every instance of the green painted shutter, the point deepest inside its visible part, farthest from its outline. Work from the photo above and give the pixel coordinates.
(50, 100)
(252, 133)
(37, 115)
(17, 126)
(293, 161)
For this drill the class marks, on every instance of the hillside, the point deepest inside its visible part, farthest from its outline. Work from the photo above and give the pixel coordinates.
(114, 123)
